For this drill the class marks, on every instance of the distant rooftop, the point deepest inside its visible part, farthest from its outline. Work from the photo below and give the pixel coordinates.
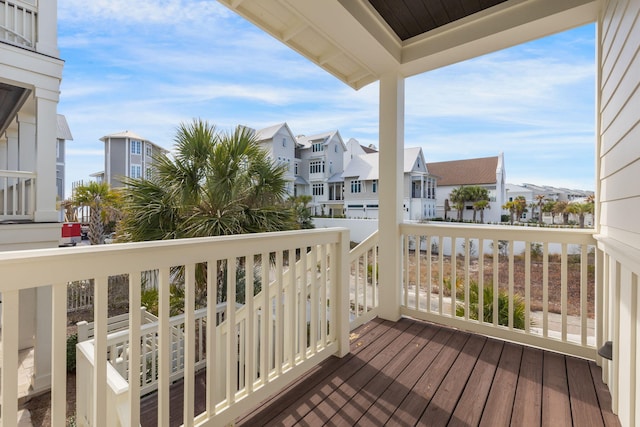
(465, 172)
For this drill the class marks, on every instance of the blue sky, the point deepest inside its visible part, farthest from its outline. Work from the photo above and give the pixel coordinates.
(146, 66)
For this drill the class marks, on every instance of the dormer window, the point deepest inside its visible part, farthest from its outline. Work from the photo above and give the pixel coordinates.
(317, 147)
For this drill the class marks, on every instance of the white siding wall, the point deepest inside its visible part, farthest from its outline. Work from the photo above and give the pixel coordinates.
(619, 198)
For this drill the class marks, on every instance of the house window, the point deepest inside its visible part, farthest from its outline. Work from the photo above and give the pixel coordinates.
(147, 173)
(296, 169)
(335, 148)
(284, 142)
(316, 166)
(318, 189)
(374, 186)
(356, 186)
(317, 147)
(136, 146)
(148, 150)
(136, 171)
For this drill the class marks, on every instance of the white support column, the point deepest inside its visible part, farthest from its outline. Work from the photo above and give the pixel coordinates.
(4, 147)
(12, 147)
(27, 142)
(46, 131)
(391, 192)
(47, 28)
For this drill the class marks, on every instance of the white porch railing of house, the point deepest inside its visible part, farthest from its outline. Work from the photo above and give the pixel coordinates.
(17, 195)
(363, 281)
(18, 22)
(537, 271)
(303, 332)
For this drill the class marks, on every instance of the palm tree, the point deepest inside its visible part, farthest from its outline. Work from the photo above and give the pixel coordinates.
(581, 209)
(560, 208)
(216, 184)
(540, 203)
(511, 207)
(477, 194)
(481, 205)
(458, 197)
(104, 207)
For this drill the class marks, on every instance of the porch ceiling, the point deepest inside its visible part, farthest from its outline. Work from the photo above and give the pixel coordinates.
(360, 40)
(11, 100)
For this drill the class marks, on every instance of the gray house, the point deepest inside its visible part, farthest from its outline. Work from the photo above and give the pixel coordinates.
(127, 154)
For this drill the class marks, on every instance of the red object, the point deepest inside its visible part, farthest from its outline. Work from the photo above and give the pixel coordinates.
(71, 229)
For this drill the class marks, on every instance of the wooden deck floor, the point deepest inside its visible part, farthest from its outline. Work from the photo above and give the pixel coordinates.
(415, 373)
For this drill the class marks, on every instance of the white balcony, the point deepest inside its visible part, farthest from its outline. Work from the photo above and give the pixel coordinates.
(18, 22)
(309, 293)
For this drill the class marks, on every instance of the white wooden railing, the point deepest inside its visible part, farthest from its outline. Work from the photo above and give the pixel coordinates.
(363, 281)
(18, 22)
(547, 274)
(17, 195)
(307, 311)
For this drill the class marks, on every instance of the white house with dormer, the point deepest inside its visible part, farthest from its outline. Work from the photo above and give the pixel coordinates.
(322, 158)
(361, 177)
(280, 144)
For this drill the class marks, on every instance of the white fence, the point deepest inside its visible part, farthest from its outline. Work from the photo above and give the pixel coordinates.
(18, 23)
(521, 290)
(304, 331)
(17, 194)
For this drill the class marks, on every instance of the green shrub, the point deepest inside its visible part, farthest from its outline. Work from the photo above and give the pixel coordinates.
(72, 340)
(503, 306)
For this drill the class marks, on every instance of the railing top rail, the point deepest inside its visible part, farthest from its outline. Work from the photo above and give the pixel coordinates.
(503, 232)
(16, 267)
(17, 174)
(364, 246)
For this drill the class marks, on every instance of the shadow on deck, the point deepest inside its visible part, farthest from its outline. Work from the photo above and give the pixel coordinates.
(415, 373)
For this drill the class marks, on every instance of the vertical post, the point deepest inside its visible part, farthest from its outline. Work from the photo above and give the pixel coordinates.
(391, 192)
(46, 131)
(58, 328)
(47, 28)
(42, 356)
(340, 285)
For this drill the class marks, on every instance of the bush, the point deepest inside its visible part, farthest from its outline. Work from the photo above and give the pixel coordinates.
(503, 306)
(72, 340)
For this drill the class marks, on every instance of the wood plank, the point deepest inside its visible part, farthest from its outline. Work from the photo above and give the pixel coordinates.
(471, 404)
(411, 408)
(528, 399)
(441, 407)
(392, 397)
(366, 397)
(314, 398)
(335, 402)
(584, 403)
(499, 404)
(361, 338)
(604, 397)
(556, 408)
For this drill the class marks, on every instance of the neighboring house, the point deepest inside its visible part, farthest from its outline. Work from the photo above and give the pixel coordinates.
(30, 76)
(487, 172)
(321, 164)
(513, 191)
(127, 154)
(361, 177)
(63, 135)
(280, 143)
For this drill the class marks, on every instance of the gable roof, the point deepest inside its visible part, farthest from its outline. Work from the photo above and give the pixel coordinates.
(465, 172)
(366, 166)
(306, 141)
(271, 131)
(63, 131)
(125, 134)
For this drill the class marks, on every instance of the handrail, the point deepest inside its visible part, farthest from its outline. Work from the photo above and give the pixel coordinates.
(529, 273)
(364, 281)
